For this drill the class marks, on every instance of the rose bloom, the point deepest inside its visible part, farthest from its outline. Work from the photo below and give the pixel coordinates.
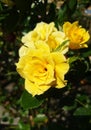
(49, 34)
(42, 69)
(77, 35)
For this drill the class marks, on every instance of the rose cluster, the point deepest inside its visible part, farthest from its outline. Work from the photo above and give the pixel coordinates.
(42, 61)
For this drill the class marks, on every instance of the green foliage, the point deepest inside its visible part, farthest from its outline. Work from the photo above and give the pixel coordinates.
(23, 126)
(29, 102)
(66, 11)
(40, 118)
(83, 111)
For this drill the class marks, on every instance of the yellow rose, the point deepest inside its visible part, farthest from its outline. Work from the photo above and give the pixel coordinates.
(40, 32)
(42, 69)
(47, 33)
(77, 35)
(37, 68)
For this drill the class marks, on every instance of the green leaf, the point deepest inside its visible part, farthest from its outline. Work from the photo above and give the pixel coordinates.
(40, 118)
(69, 108)
(83, 111)
(72, 4)
(87, 53)
(62, 15)
(82, 97)
(61, 45)
(27, 101)
(72, 59)
(23, 126)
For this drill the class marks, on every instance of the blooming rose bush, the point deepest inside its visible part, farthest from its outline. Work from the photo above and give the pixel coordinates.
(43, 62)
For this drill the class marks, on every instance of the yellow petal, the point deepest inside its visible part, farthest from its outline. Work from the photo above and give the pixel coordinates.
(35, 89)
(58, 57)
